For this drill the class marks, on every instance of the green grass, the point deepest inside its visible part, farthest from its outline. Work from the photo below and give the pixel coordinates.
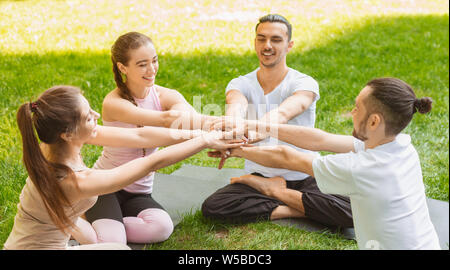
(197, 232)
(341, 44)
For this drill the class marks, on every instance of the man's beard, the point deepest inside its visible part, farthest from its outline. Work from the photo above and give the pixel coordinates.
(361, 135)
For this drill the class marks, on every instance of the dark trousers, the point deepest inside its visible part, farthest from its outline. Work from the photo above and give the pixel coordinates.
(240, 203)
(120, 204)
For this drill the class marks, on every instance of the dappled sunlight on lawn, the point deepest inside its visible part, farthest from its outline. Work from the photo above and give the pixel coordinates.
(203, 44)
(183, 26)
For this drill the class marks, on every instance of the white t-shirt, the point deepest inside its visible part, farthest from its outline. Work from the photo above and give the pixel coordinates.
(386, 191)
(259, 104)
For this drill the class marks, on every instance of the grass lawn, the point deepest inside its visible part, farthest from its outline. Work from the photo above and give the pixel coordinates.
(202, 45)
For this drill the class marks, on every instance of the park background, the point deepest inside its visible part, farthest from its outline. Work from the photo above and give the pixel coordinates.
(202, 45)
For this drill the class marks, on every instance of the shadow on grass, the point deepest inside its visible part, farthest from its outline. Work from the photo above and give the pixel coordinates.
(413, 48)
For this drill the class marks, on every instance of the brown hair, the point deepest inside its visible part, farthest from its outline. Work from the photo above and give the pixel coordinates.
(53, 113)
(120, 53)
(396, 101)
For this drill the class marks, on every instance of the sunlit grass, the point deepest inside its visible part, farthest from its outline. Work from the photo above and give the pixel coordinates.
(184, 26)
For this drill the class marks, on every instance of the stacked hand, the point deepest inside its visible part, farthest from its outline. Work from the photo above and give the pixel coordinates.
(221, 140)
(227, 123)
(239, 126)
(233, 127)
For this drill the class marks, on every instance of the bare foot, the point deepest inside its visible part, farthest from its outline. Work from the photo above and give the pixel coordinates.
(266, 186)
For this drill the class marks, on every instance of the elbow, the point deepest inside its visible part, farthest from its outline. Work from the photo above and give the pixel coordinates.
(154, 163)
(284, 149)
(290, 158)
(297, 161)
(283, 117)
(176, 119)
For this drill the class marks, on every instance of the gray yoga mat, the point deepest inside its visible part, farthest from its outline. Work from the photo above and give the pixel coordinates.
(184, 191)
(181, 195)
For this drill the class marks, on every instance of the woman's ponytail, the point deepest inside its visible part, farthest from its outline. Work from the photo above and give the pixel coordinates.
(44, 174)
(124, 92)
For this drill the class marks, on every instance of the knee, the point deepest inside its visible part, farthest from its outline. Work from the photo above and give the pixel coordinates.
(84, 233)
(110, 231)
(85, 237)
(160, 220)
(348, 222)
(208, 209)
(220, 204)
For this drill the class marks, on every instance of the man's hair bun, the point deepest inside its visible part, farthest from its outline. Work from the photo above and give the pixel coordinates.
(423, 105)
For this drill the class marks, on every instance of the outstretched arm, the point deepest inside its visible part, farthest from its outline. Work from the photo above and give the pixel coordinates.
(177, 115)
(280, 156)
(237, 104)
(312, 139)
(174, 102)
(171, 99)
(294, 105)
(97, 182)
(276, 156)
(305, 137)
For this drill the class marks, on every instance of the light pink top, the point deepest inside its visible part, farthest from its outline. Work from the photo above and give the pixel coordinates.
(115, 156)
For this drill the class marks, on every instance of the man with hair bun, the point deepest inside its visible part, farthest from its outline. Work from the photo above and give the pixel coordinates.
(377, 167)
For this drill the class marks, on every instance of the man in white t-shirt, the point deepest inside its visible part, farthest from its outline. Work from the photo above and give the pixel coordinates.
(377, 167)
(277, 94)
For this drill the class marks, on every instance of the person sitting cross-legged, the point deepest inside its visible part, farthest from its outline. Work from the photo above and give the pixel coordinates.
(277, 93)
(377, 167)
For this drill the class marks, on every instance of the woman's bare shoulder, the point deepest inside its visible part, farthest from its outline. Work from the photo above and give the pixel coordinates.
(114, 94)
(70, 187)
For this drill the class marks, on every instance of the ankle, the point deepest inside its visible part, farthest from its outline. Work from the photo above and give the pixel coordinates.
(284, 211)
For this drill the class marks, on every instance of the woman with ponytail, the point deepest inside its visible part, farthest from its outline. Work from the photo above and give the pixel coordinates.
(60, 188)
(131, 214)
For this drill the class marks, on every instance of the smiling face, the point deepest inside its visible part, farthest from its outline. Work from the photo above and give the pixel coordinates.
(271, 43)
(87, 128)
(142, 67)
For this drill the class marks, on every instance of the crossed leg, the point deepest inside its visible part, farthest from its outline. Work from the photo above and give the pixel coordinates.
(250, 198)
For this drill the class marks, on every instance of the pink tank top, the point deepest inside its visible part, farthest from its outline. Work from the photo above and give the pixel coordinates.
(115, 156)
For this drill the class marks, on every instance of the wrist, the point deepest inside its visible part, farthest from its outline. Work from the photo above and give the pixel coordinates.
(170, 117)
(209, 138)
(203, 140)
(236, 152)
(207, 120)
(250, 125)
